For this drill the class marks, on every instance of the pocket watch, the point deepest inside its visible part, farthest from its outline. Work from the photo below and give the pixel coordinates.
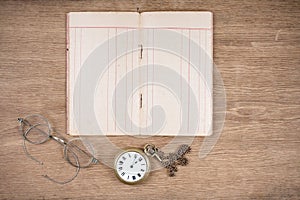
(132, 166)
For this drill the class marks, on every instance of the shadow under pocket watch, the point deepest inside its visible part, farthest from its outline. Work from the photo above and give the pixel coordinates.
(132, 164)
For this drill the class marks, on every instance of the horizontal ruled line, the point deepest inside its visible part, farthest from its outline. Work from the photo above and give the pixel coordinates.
(126, 27)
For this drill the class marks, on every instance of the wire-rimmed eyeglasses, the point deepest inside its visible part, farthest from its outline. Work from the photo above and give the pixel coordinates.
(37, 130)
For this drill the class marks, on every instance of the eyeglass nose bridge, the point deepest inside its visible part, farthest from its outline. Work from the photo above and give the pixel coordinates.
(59, 140)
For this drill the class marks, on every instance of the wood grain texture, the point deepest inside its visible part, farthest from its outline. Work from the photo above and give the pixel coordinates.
(256, 49)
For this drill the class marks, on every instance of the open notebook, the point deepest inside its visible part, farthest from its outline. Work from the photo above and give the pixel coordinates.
(139, 73)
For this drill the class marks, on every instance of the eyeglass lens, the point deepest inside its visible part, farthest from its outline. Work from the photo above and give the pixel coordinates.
(36, 129)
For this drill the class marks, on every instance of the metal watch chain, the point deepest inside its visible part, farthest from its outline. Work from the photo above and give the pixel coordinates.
(169, 161)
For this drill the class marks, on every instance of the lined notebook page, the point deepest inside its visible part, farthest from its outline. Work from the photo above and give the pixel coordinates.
(153, 73)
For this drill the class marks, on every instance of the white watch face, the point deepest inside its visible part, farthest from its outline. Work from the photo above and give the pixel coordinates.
(131, 166)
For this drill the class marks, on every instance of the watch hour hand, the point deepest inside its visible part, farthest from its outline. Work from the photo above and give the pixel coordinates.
(131, 166)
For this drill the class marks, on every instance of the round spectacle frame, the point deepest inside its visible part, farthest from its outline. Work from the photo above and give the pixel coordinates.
(37, 130)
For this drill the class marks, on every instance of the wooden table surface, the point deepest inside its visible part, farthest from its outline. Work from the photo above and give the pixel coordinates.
(257, 51)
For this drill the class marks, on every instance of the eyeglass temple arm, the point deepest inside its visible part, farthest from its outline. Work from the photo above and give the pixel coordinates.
(69, 180)
(28, 154)
(22, 121)
(46, 176)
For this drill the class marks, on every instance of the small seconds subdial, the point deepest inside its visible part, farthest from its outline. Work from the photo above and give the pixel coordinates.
(132, 166)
